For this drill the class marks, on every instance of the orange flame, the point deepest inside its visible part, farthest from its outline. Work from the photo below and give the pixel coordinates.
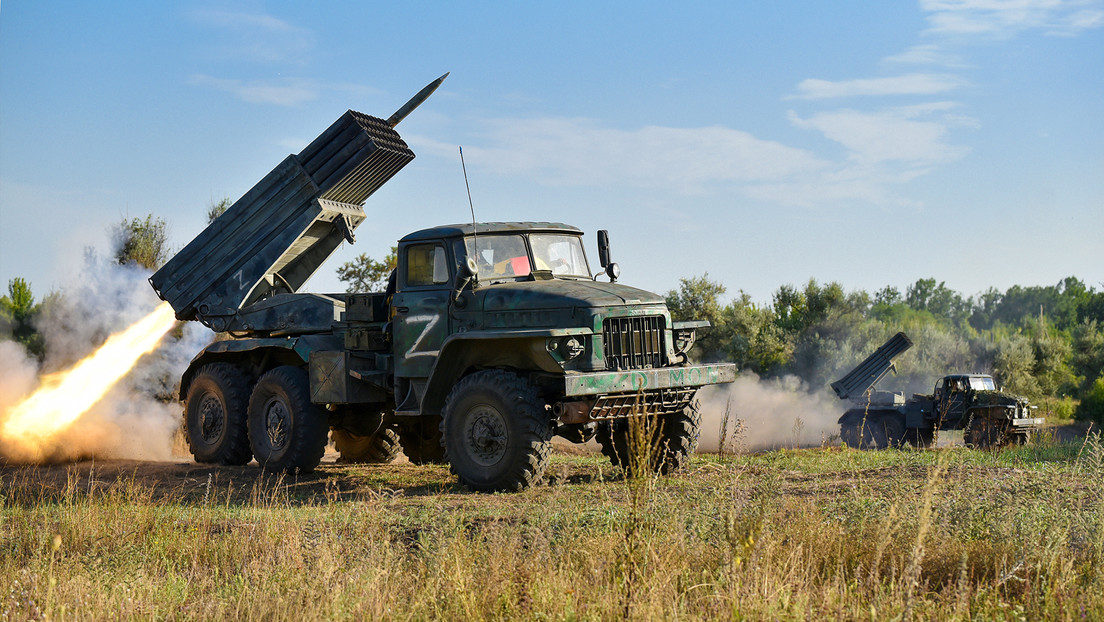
(63, 397)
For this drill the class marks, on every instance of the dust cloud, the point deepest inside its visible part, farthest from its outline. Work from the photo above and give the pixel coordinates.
(139, 418)
(754, 414)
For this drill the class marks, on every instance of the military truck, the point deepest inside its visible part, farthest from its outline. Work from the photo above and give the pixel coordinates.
(490, 338)
(987, 417)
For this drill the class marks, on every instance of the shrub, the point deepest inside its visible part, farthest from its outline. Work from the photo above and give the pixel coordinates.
(1092, 403)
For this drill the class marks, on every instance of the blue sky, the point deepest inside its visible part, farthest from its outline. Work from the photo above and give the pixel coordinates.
(764, 143)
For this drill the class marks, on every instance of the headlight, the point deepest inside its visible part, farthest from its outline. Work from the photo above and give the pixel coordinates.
(567, 348)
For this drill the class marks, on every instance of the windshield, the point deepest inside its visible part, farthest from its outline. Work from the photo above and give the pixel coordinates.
(982, 384)
(499, 255)
(562, 254)
(502, 256)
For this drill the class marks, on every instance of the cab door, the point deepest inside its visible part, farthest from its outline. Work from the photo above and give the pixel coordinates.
(951, 399)
(420, 321)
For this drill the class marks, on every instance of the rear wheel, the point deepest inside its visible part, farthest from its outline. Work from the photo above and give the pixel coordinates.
(497, 430)
(215, 415)
(379, 448)
(421, 440)
(872, 430)
(287, 431)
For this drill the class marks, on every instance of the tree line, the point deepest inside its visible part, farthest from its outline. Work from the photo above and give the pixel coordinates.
(1045, 342)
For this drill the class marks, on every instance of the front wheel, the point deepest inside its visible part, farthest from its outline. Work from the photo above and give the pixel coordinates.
(986, 433)
(287, 431)
(497, 431)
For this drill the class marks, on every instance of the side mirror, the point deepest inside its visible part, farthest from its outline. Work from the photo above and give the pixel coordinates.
(603, 248)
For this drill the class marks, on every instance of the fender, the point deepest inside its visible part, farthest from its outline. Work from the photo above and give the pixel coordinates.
(522, 350)
(257, 356)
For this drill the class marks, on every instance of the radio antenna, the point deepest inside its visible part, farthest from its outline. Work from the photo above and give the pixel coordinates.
(475, 233)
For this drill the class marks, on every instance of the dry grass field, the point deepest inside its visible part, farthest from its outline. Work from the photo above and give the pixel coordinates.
(802, 534)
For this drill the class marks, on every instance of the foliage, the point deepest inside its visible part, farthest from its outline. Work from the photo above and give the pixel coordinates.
(819, 332)
(698, 298)
(140, 241)
(1092, 403)
(365, 274)
(18, 313)
(216, 209)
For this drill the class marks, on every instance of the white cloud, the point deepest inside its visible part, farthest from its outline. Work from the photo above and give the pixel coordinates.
(911, 84)
(560, 151)
(927, 54)
(883, 151)
(239, 20)
(911, 135)
(285, 92)
(1006, 17)
(256, 37)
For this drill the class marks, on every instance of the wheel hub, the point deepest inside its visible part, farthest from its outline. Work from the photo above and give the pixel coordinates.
(486, 435)
(277, 421)
(212, 418)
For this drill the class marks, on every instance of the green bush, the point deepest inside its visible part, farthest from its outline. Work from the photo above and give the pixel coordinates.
(1092, 403)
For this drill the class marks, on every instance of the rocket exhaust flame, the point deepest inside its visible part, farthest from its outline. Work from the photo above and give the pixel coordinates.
(28, 427)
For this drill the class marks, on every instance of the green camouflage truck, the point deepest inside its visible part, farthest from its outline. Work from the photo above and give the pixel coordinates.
(490, 339)
(987, 417)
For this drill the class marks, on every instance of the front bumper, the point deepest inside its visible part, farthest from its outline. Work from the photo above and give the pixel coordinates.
(1028, 423)
(647, 380)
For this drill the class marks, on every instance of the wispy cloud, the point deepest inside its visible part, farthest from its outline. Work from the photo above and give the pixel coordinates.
(911, 84)
(282, 91)
(239, 20)
(881, 152)
(926, 54)
(560, 151)
(909, 135)
(256, 37)
(1002, 18)
(285, 92)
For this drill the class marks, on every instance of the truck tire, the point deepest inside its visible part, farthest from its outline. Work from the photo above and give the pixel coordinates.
(421, 441)
(379, 448)
(985, 433)
(872, 430)
(679, 435)
(215, 415)
(497, 431)
(675, 439)
(287, 431)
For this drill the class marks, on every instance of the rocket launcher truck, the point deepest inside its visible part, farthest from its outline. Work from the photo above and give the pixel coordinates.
(490, 338)
(969, 402)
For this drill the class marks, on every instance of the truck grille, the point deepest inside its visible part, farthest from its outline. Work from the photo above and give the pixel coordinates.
(633, 342)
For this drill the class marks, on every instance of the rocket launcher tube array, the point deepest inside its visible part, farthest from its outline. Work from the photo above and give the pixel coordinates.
(274, 238)
(867, 374)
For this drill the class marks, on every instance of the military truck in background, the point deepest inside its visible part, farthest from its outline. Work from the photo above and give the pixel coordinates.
(490, 339)
(987, 417)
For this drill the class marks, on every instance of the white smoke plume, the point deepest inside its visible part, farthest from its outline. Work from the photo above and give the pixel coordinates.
(139, 418)
(752, 414)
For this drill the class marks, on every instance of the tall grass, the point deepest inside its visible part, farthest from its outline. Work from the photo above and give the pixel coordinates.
(789, 535)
